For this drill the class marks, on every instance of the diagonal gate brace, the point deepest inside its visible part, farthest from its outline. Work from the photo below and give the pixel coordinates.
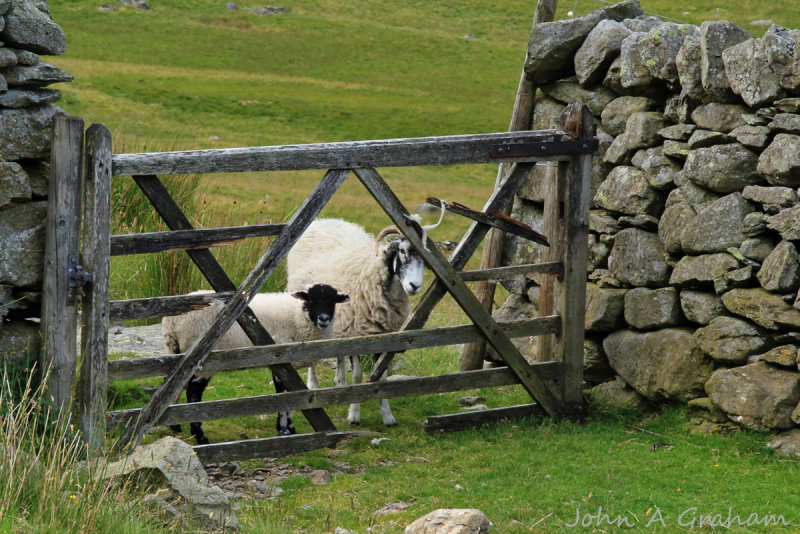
(458, 289)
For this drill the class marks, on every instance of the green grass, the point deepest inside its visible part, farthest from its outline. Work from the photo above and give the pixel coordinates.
(189, 74)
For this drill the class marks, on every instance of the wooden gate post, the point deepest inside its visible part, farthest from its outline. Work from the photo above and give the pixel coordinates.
(93, 382)
(521, 119)
(571, 287)
(59, 314)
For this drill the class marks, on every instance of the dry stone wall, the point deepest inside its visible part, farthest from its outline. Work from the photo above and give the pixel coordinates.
(694, 267)
(26, 116)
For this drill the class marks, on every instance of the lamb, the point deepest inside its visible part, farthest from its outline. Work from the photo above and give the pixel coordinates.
(378, 277)
(303, 315)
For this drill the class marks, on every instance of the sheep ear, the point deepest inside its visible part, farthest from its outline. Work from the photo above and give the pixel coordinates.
(301, 295)
(342, 298)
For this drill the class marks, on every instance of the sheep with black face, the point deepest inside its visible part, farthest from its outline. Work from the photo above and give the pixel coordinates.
(303, 315)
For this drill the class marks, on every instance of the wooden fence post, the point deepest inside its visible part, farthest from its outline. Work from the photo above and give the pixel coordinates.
(521, 119)
(59, 314)
(571, 288)
(93, 381)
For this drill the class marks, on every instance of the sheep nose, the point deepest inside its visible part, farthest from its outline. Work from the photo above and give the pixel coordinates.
(323, 320)
(414, 288)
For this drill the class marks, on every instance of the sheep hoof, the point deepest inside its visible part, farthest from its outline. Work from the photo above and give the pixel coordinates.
(201, 440)
(393, 422)
(355, 423)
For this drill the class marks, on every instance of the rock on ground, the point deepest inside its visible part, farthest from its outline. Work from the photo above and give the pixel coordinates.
(451, 521)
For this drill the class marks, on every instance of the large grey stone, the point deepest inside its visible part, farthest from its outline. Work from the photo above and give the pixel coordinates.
(29, 28)
(756, 396)
(715, 37)
(673, 222)
(778, 196)
(701, 307)
(786, 222)
(627, 190)
(697, 196)
(781, 269)
(451, 521)
(750, 74)
(780, 45)
(660, 170)
(604, 308)
(785, 123)
(719, 117)
(21, 98)
(650, 309)
(755, 224)
(783, 356)
(766, 309)
(786, 443)
(730, 340)
(694, 271)
(176, 465)
(596, 368)
(656, 53)
(722, 168)
(618, 394)
(20, 341)
(26, 133)
(755, 137)
(707, 138)
(552, 45)
(662, 365)
(717, 226)
(596, 98)
(14, 183)
(688, 62)
(678, 132)
(780, 162)
(598, 51)
(757, 248)
(39, 75)
(22, 231)
(638, 259)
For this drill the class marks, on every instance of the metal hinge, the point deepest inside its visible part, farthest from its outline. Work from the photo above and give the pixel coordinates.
(77, 278)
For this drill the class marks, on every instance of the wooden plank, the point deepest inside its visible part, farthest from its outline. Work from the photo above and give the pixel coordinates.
(498, 220)
(250, 357)
(150, 242)
(458, 289)
(236, 451)
(159, 197)
(319, 398)
(459, 257)
(443, 150)
(93, 382)
(572, 287)
(200, 350)
(521, 119)
(161, 306)
(553, 190)
(438, 424)
(59, 315)
(502, 273)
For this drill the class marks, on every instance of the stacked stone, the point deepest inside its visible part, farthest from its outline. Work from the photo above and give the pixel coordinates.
(26, 116)
(695, 222)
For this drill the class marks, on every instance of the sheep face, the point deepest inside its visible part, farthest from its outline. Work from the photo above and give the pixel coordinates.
(319, 302)
(405, 262)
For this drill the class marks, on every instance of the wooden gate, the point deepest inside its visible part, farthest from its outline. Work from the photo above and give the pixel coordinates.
(555, 384)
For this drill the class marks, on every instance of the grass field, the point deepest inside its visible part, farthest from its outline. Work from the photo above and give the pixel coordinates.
(190, 74)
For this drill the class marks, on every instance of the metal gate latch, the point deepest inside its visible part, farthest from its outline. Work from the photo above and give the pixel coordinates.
(77, 278)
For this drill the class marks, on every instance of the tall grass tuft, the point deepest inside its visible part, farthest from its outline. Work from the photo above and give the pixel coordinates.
(43, 487)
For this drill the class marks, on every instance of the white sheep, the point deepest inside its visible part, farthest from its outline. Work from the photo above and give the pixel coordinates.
(378, 277)
(302, 315)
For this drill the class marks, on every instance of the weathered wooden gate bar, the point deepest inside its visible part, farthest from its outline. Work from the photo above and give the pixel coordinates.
(173, 385)
(145, 243)
(166, 207)
(262, 356)
(466, 247)
(246, 449)
(92, 388)
(146, 308)
(444, 150)
(318, 398)
(458, 289)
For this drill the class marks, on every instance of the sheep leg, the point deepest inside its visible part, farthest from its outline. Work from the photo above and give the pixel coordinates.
(386, 410)
(341, 372)
(284, 426)
(354, 413)
(176, 428)
(313, 381)
(194, 393)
